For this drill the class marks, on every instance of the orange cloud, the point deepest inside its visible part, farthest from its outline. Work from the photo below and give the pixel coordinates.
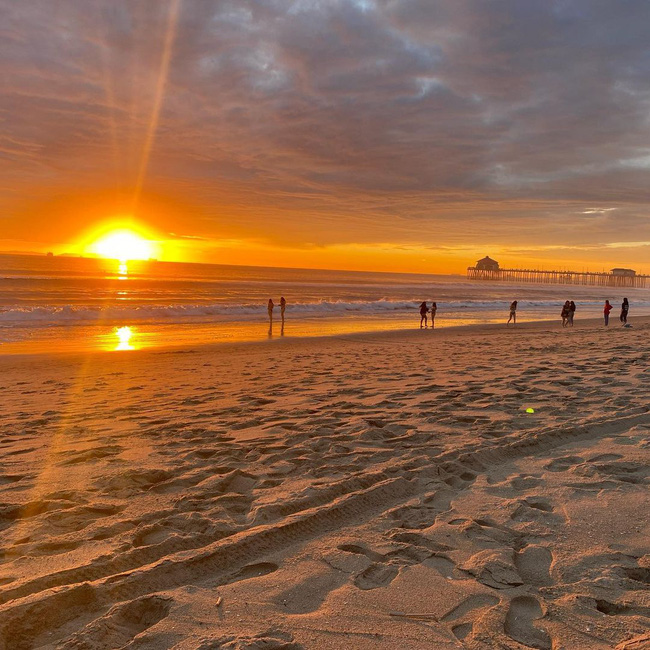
(404, 135)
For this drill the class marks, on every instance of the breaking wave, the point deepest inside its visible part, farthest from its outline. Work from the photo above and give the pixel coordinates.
(72, 314)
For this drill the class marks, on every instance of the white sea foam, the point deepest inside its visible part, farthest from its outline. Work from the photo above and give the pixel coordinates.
(71, 314)
(40, 292)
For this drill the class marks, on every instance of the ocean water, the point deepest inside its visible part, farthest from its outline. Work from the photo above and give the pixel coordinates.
(57, 303)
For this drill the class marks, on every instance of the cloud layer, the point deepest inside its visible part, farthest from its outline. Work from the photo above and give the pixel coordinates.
(437, 123)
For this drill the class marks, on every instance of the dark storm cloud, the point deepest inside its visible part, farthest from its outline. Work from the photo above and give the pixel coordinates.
(340, 120)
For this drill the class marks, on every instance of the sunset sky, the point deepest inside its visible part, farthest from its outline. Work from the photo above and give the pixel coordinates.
(405, 135)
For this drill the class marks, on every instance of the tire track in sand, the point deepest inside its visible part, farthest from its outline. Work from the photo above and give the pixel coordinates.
(221, 558)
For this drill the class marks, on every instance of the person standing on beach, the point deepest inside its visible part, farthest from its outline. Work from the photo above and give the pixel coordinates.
(434, 309)
(283, 306)
(625, 307)
(565, 313)
(572, 312)
(513, 313)
(423, 315)
(270, 310)
(606, 311)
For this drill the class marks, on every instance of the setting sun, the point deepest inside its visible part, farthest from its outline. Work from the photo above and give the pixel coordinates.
(123, 245)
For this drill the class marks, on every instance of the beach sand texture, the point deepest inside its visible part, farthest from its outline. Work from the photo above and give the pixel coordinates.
(379, 491)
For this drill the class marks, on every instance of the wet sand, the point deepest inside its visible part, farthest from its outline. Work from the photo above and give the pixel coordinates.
(364, 491)
(143, 335)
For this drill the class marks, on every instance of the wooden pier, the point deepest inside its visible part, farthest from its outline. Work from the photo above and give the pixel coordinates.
(558, 277)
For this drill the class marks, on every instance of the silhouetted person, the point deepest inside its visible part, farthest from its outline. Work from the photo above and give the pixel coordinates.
(572, 312)
(423, 314)
(283, 306)
(434, 309)
(564, 314)
(625, 307)
(270, 310)
(606, 311)
(513, 313)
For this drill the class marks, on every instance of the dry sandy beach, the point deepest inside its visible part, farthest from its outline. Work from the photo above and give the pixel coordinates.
(379, 491)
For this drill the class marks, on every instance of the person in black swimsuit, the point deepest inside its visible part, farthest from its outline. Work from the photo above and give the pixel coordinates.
(625, 307)
(423, 314)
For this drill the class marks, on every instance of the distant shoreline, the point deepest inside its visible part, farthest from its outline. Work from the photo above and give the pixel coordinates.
(73, 256)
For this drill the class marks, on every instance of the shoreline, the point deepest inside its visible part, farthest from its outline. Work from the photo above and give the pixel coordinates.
(377, 335)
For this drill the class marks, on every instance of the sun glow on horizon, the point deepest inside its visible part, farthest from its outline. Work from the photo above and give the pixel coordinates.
(123, 245)
(126, 239)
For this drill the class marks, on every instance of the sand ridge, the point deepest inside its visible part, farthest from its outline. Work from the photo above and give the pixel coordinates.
(361, 492)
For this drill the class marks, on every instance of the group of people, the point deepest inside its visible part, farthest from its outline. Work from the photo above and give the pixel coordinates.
(424, 310)
(625, 307)
(569, 310)
(271, 306)
(567, 313)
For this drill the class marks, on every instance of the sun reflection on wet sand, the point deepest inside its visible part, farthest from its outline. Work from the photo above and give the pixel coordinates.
(107, 337)
(124, 336)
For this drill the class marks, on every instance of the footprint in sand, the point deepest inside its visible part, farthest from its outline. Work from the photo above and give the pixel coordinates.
(417, 539)
(53, 548)
(625, 472)
(615, 609)
(443, 565)
(80, 517)
(478, 601)
(539, 503)
(120, 624)
(604, 458)
(533, 564)
(534, 508)
(563, 464)
(149, 535)
(376, 575)
(486, 532)
(493, 568)
(525, 482)
(423, 514)
(638, 574)
(519, 626)
(271, 640)
(253, 571)
(308, 595)
(362, 550)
